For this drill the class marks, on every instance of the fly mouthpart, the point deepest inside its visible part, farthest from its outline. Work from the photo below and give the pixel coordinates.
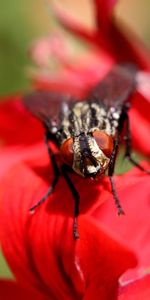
(90, 167)
(88, 173)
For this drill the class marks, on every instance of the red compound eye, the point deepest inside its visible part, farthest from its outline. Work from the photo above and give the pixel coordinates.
(66, 151)
(104, 141)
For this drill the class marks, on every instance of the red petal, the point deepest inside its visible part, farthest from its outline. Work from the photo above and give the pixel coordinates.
(125, 46)
(11, 155)
(11, 290)
(47, 48)
(16, 125)
(143, 81)
(133, 228)
(40, 248)
(137, 290)
(101, 260)
(75, 80)
(140, 124)
(104, 13)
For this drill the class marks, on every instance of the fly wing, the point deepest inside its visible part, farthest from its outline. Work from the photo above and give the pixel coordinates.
(116, 87)
(47, 106)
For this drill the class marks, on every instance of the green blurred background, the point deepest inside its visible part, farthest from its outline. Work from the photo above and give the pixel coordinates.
(20, 23)
(23, 21)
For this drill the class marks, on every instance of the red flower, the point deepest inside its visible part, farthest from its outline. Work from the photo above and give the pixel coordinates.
(46, 261)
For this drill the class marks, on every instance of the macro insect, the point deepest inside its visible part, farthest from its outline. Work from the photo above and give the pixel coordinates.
(87, 132)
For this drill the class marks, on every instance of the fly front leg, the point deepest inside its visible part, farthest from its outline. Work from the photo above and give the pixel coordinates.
(111, 172)
(56, 176)
(128, 153)
(76, 198)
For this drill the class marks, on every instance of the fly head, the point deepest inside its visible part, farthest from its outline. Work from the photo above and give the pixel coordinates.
(88, 154)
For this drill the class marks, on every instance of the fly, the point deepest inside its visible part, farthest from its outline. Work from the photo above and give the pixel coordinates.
(87, 132)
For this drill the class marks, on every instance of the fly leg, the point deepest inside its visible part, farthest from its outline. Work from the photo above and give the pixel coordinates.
(56, 176)
(128, 153)
(110, 174)
(76, 198)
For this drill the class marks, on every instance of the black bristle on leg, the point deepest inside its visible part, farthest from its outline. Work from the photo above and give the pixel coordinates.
(117, 202)
(45, 197)
(55, 180)
(110, 174)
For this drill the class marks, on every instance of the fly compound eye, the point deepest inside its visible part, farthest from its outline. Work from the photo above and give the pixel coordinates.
(66, 151)
(104, 141)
